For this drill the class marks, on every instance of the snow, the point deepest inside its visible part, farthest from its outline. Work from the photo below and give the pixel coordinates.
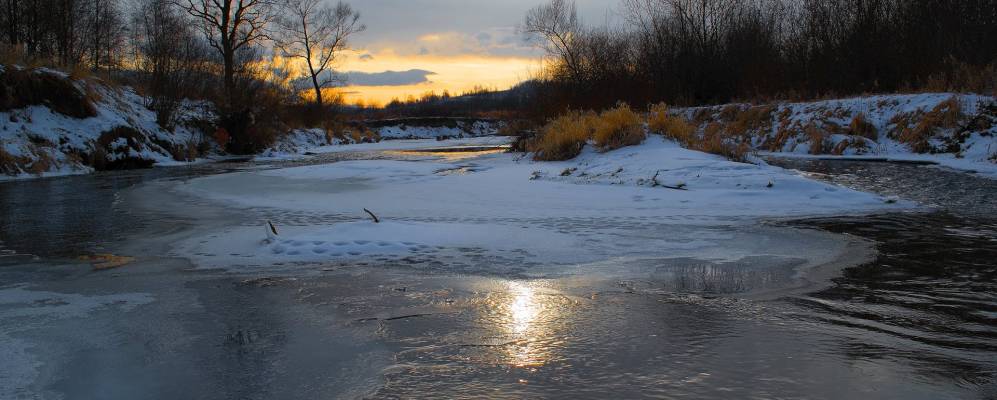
(37, 132)
(504, 202)
(300, 142)
(459, 130)
(295, 144)
(977, 151)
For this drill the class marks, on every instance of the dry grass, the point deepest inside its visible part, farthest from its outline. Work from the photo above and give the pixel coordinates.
(946, 115)
(783, 133)
(670, 126)
(9, 164)
(752, 120)
(516, 127)
(716, 140)
(965, 78)
(618, 127)
(563, 137)
(41, 165)
(729, 112)
(364, 135)
(862, 127)
(818, 139)
(725, 147)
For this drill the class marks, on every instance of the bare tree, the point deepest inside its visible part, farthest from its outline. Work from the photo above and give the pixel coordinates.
(316, 32)
(169, 53)
(557, 27)
(229, 26)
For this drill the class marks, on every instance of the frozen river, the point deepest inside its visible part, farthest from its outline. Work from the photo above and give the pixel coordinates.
(573, 304)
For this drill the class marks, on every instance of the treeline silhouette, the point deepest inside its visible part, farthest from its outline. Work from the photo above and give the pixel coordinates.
(691, 52)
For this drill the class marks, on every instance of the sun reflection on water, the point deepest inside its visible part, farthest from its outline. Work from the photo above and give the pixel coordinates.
(528, 324)
(522, 309)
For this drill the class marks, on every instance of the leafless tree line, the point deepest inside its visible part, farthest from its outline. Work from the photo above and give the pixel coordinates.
(176, 49)
(712, 51)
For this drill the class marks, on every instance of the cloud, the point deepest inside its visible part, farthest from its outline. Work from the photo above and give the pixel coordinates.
(484, 39)
(388, 78)
(495, 41)
(366, 57)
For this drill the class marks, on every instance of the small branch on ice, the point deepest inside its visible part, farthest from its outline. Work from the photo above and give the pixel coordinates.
(655, 183)
(376, 221)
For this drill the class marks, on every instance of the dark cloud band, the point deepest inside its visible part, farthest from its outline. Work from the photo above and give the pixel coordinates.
(388, 78)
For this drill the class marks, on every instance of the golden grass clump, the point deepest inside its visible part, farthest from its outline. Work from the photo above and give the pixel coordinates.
(618, 127)
(819, 139)
(716, 141)
(755, 120)
(945, 115)
(670, 126)
(725, 147)
(41, 165)
(729, 112)
(862, 127)
(562, 138)
(9, 164)
(364, 135)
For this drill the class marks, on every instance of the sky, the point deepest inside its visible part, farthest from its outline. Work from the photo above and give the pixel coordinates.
(412, 47)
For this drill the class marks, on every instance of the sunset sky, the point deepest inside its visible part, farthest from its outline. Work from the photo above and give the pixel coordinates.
(414, 46)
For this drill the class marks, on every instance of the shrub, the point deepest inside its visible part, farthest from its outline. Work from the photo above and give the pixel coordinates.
(563, 137)
(861, 127)
(249, 134)
(670, 126)
(22, 88)
(618, 127)
(109, 155)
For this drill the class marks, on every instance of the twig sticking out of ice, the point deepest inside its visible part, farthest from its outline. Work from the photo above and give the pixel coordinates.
(271, 231)
(376, 221)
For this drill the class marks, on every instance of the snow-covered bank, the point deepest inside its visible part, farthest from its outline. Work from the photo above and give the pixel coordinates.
(114, 129)
(566, 211)
(954, 130)
(53, 124)
(300, 142)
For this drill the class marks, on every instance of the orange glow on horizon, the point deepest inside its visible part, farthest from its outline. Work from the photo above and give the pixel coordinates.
(454, 74)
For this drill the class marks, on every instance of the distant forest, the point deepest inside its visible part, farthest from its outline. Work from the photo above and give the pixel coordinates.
(683, 52)
(691, 52)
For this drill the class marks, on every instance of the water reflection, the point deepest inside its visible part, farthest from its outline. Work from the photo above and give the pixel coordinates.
(527, 326)
(522, 309)
(453, 153)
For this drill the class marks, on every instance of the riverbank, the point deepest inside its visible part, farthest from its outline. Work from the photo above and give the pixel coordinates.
(957, 131)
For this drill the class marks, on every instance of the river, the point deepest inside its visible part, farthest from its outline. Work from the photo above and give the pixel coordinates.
(918, 320)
